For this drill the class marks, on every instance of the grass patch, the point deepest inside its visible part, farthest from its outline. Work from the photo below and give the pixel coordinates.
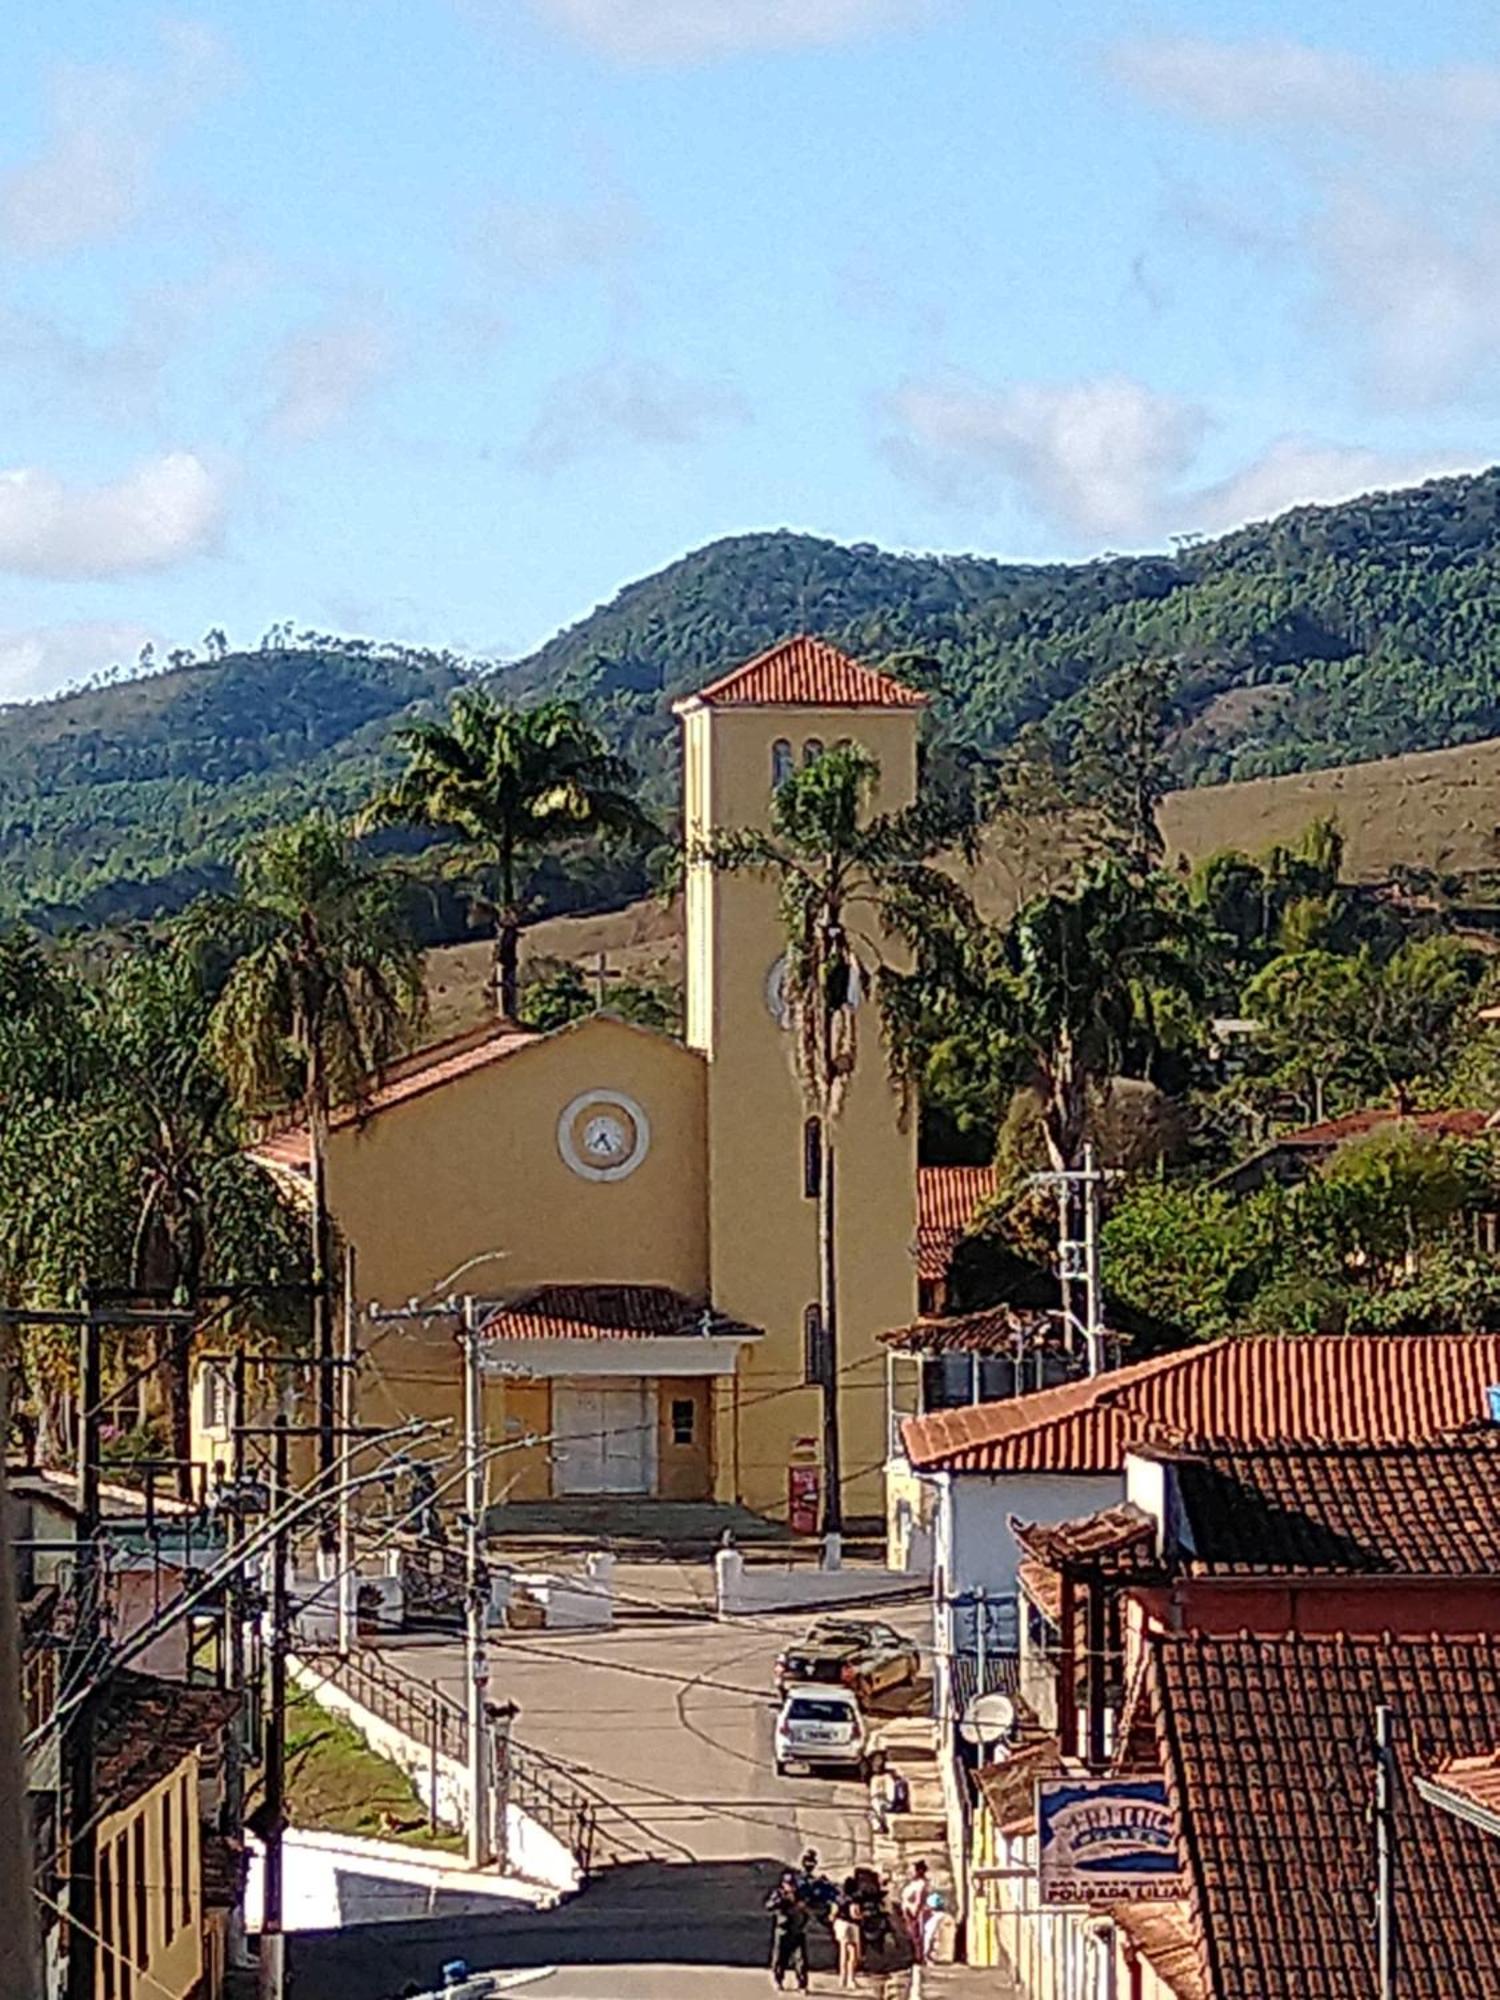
(337, 1784)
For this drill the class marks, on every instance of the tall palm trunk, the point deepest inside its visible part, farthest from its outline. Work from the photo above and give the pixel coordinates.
(828, 1316)
(320, 1239)
(508, 942)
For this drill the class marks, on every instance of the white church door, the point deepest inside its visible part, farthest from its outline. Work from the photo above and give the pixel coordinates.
(606, 1435)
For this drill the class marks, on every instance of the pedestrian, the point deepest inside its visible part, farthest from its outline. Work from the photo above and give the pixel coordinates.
(789, 1918)
(939, 1933)
(913, 1907)
(846, 1936)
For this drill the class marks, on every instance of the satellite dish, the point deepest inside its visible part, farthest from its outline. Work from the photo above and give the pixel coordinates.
(989, 1719)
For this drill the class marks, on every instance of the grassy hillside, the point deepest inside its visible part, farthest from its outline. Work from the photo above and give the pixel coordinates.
(1438, 809)
(1326, 637)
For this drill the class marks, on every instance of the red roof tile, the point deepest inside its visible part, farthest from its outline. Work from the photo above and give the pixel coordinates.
(808, 673)
(1356, 1124)
(997, 1331)
(609, 1312)
(1267, 1745)
(1319, 1389)
(414, 1075)
(1163, 1935)
(1468, 1785)
(1428, 1509)
(1124, 1530)
(948, 1198)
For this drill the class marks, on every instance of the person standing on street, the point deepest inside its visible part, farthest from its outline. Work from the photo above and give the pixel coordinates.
(789, 1918)
(846, 1935)
(913, 1904)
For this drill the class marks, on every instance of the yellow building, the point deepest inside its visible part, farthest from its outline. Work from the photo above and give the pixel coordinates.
(638, 1213)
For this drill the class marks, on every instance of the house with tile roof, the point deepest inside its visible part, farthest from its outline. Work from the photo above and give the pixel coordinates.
(1060, 1453)
(635, 1216)
(1228, 1633)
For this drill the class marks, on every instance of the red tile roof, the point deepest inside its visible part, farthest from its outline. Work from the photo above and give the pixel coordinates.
(1356, 1124)
(609, 1312)
(948, 1198)
(1125, 1530)
(808, 673)
(1318, 1388)
(412, 1076)
(1428, 1509)
(148, 1726)
(1163, 1934)
(997, 1330)
(1267, 1749)
(1467, 1785)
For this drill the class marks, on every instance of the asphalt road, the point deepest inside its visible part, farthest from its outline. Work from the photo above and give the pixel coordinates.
(669, 1718)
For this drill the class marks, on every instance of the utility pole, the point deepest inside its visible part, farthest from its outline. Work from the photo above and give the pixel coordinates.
(272, 1941)
(833, 945)
(1078, 1255)
(234, 1640)
(348, 1582)
(78, 1740)
(19, 1971)
(476, 1596)
(1385, 1854)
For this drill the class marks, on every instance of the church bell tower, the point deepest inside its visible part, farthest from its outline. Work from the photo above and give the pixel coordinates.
(741, 737)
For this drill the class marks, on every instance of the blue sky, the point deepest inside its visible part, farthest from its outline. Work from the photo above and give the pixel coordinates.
(438, 320)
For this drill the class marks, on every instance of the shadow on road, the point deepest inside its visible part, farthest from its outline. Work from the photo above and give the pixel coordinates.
(698, 1913)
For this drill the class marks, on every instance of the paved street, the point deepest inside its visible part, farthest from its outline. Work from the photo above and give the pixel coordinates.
(669, 1716)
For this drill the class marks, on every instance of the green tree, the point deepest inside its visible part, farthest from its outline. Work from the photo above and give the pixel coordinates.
(499, 785)
(324, 990)
(1121, 764)
(848, 882)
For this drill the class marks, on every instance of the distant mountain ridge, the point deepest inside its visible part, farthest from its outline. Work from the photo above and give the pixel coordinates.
(1326, 636)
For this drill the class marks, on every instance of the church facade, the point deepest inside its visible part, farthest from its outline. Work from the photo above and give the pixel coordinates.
(634, 1217)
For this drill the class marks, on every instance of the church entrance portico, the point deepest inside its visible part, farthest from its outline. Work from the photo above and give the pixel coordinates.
(610, 1390)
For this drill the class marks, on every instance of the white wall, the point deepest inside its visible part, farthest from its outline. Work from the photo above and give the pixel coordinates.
(332, 1879)
(744, 1588)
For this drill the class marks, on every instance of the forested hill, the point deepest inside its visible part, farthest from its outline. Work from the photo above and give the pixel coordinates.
(1326, 636)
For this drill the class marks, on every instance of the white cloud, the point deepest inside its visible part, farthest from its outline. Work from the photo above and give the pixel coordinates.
(630, 403)
(160, 513)
(1112, 459)
(1395, 176)
(1094, 455)
(700, 30)
(540, 242)
(1286, 83)
(320, 373)
(107, 130)
(46, 658)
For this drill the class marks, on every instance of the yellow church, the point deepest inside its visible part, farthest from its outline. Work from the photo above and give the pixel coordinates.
(636, 1216)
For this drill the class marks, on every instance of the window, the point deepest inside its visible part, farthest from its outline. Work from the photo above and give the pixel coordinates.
(814, 1348)
(812, 1158)
(215, 1398)
(684, 1419)
(107, 1923)
(168, 1858)
(142, 1912)
(781, 762)
(812, 750)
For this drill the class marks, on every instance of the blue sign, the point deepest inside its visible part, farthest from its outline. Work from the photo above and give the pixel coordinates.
(1106, 1840)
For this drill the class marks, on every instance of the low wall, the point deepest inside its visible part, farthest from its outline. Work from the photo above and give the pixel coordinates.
(745, 1588)
(333, 1879)
(441, 1782)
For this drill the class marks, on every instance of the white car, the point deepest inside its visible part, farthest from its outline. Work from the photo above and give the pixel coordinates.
(820, 1725)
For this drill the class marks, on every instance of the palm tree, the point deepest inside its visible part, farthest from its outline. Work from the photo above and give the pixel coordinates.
(846, 881)
(324, 989)
(1061, 997)
(499, 784)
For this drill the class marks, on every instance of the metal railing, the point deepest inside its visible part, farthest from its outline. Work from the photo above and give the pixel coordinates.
(530, 1781)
